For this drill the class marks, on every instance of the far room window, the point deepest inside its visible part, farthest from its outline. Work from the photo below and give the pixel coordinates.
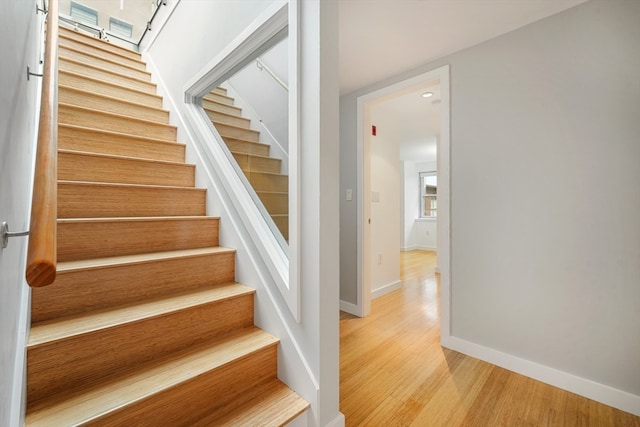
(120, 28)
(82, 13)
(428, 194)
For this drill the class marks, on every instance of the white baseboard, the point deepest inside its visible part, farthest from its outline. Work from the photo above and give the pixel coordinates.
(599, 392)
(301, 420)
(418, 247)
(350, 308)
(338, 421)
(376, 293)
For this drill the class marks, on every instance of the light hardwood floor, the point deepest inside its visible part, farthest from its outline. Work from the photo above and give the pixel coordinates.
(393, 371)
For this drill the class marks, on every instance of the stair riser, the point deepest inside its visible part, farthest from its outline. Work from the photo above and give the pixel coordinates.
(184, 404)
(229, 119)
(276, 204)
(282, 222)
(268, 182)
(222, 108)
(74, 361)
(76, 240)
(104, 88)
(79, 291)
(234, 132)
(116, 67)
(104, 201)
(96, 102)
(249, 163)
(89, 49)
(75, 36)
(83, 139)
(72, 115)
(81, 167)
(238, 146)
(216, 97)
(220, 91)
(100, 74)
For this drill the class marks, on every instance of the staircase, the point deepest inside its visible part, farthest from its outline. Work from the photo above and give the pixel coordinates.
(144, 324)
(261, 170)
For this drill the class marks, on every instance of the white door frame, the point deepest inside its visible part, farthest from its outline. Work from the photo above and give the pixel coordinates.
(363, 305)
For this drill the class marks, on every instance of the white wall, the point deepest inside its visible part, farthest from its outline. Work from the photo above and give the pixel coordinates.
(417, 233)
(545, 201)
(308, 357)
(385, 215)
(19, 38)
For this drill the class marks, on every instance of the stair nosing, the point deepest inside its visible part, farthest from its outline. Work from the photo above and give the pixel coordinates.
(116, 115)
(259, 156)
(115, 73)
(111, 317)
(228, 115)
(93, 79)
(217, 94)
(237, 127)
(271, 192)
(92, 55)
(128, 135)
(136, 259)
(112, 98)
(234, 138)
(220, 103)
(128, 158)
(252, 340)
(127, 185)
(94, 42)
(138, 219)
(91, 43)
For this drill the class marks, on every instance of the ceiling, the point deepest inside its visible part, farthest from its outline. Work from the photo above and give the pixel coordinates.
(380, 39)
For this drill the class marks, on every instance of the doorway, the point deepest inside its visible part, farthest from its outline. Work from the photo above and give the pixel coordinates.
(367, 195)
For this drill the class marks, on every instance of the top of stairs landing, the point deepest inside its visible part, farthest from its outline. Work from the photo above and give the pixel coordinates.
(92, 41)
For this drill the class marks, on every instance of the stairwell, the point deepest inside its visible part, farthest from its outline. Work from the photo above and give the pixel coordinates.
(144, 324)
(253, 157)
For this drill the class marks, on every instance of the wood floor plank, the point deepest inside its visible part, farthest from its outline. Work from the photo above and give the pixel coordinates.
(393, 371)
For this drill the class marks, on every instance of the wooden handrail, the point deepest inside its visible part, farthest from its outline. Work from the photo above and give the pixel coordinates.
(42, 251)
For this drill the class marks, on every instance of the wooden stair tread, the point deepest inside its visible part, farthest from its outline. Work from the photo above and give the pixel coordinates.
(240, 128)
(147, 81)
(64, 328)
(119, 157)
(247, 141)
(228, 119)
(140, 67)
(70, 34)
(138, 219)
(138, 258)
(123, 117)
(215, 97)
(226, 107)
(124, 185)
(122, 134)
(257, 156)
(97, 80)
(111, 98)
(80, 41)
(270, 404)
(88, 403)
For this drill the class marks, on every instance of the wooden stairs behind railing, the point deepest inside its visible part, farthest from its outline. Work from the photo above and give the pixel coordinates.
(261, 170)
(144, 324)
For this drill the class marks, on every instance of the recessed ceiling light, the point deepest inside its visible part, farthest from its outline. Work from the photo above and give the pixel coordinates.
(427, 94)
